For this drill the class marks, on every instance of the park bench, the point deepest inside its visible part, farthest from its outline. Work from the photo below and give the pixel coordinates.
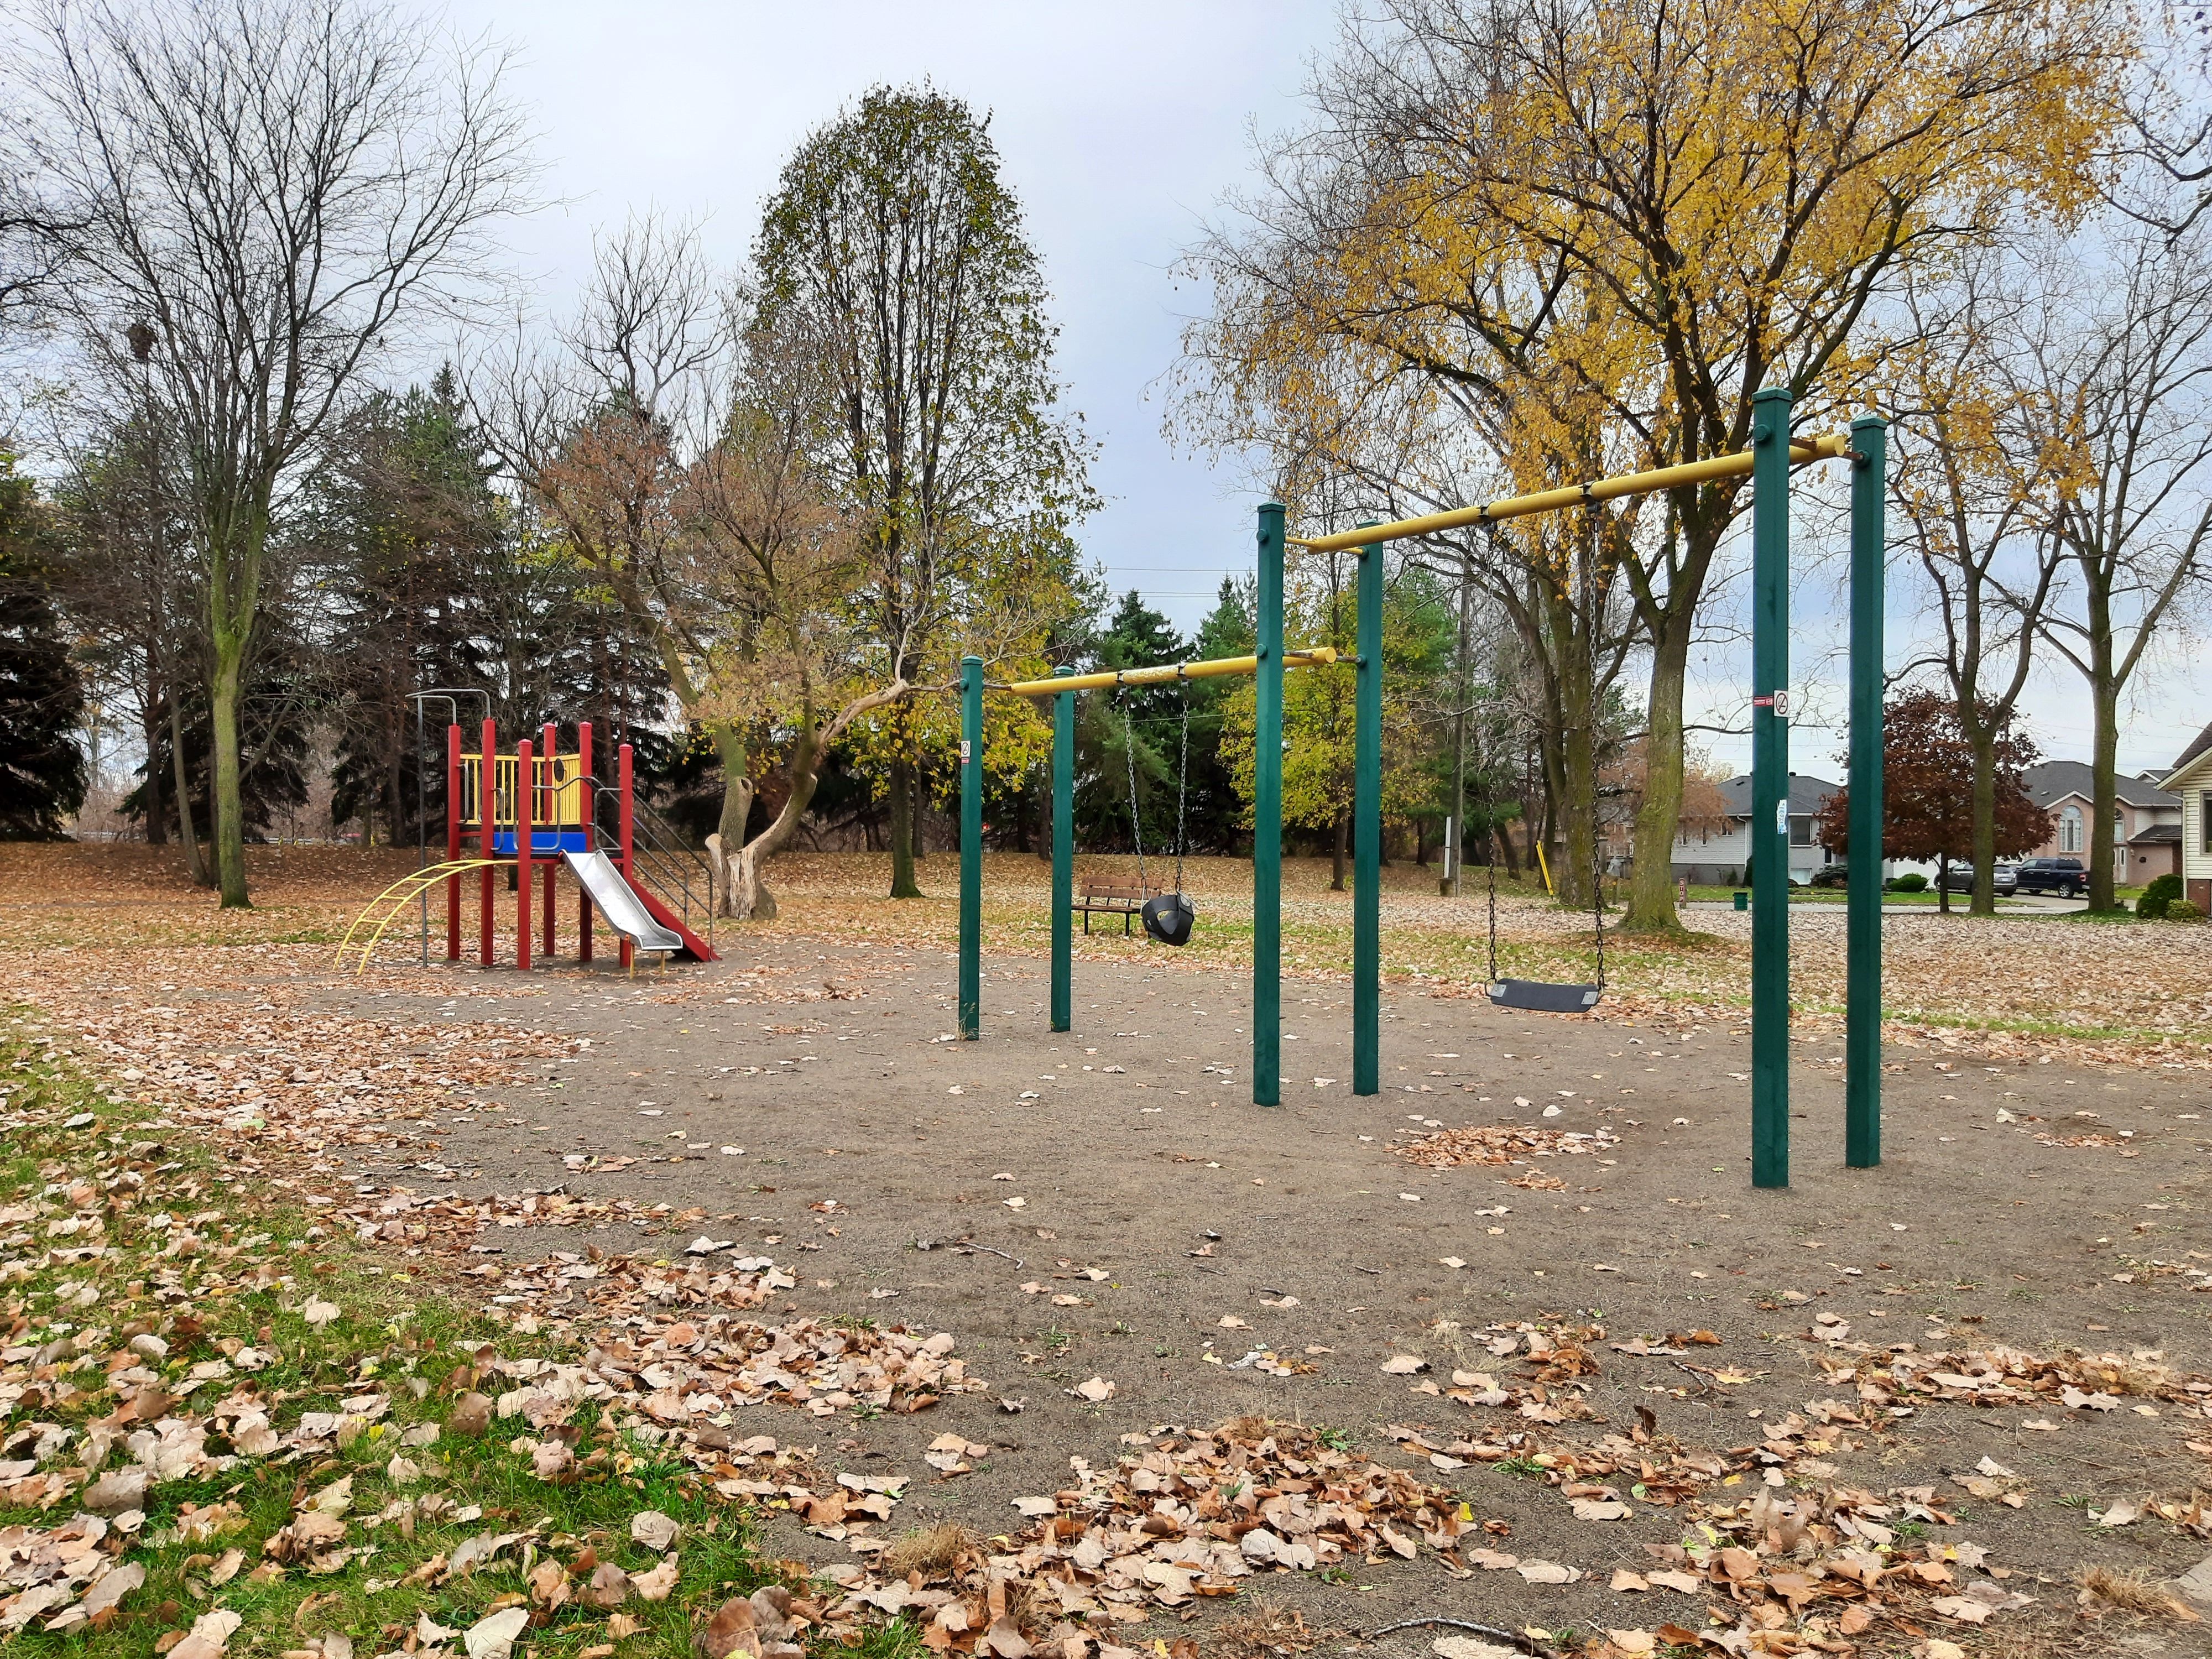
(1124, 899)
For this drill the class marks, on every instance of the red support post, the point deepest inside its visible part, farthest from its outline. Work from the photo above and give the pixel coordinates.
(550, 763)
(452, 841)
(583, 811)
(525, 785)
(623, 784)
(487, 811)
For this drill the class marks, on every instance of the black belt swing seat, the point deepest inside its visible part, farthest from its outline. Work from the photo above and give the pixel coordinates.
(1537, 995)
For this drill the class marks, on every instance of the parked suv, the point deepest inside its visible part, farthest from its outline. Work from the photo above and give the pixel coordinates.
(2065, 877)
(1959, 879)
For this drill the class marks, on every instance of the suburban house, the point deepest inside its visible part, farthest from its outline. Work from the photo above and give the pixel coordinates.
(1714, 854)
(2145, 819)
(2192, 779)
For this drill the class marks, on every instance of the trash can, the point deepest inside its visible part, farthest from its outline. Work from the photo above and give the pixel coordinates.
(1743, 901)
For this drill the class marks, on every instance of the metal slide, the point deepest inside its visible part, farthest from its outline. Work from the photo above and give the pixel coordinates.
(618, 902)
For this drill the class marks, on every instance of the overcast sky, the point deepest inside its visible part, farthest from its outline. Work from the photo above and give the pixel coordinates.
(1119, 127)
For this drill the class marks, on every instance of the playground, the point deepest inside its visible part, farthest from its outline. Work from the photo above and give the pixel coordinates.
(1105, 1206)
(1293, 1265)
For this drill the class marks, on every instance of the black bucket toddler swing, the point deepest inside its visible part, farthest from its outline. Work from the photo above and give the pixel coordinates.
(1167, 916)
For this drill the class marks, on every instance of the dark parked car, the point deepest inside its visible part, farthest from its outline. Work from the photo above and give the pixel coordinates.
(1959, 879)
(2065, 877)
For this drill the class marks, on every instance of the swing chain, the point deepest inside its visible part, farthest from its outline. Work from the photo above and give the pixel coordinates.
(1129, 753)
(1182, 774)
(1597, 897)
(1490, 851)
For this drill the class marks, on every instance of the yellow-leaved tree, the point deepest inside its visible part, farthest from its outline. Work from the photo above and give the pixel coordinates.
(1686, 202)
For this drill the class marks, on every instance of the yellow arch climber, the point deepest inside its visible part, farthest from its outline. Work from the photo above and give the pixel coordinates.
(397, 897)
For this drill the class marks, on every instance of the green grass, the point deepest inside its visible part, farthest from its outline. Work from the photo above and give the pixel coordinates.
(411, 1342)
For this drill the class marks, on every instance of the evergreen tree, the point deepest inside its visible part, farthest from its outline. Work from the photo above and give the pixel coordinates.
(1136, 727)
(278, 707)
(410, 518)
(129, 580)
(42, 773)
(1217, 812)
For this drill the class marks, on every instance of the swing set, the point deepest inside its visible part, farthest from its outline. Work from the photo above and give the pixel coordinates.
(1769, 462)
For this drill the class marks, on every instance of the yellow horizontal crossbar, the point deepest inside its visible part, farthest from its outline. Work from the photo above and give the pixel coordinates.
(1213, 668)
(1550, 501)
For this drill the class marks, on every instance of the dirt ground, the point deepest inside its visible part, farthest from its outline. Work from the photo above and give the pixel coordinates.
(1107, 1203)
(866, 1136)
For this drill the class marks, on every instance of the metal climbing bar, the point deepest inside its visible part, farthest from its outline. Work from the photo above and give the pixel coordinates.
(1550, 501)
(397, 897)
(1213, 668)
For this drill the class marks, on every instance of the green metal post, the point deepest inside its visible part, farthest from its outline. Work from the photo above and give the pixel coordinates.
(1770, 789)
(1863, 1001)
(1063, 855)
(1267, 819)
(1367, 832)
(971, 847)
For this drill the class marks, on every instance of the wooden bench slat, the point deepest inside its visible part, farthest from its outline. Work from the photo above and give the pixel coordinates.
(1124, 899)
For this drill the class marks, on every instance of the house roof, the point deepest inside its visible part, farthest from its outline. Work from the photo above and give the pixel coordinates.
(2200, 746)
(1807, 795)
(2053, 781)
(2158, 835)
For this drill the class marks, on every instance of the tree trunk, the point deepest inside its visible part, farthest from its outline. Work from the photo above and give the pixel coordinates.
(803, 773)
(1942, 883)
(1571, 764)
(149, 723)
(2105, 743)
(1340, 844)
(918, 818)
(1553, 760)
(1652, 876)
(1983, 742)
(902, 800)
(1579, 833)
(228, 813)
(737, 805)
(195, 865)
(1505, 833)
(2104, 848)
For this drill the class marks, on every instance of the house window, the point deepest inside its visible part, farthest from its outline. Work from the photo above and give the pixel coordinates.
(1801, 832)
(2204, 821)
(2069, 830)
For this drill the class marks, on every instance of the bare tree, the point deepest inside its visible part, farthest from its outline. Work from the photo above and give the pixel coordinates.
(602, 429)
(1976, 498)
(1691, 203)
(2167, 182)
(127, 573)
(2121, 415)
(274, 189)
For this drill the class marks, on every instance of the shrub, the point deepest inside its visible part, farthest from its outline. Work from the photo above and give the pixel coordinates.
(1834, 875)
(2183, 910)
(1911, 882)
(2158, 895)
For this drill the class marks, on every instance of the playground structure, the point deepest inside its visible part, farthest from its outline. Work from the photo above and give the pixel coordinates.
(1769, 461)
(532, 812)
